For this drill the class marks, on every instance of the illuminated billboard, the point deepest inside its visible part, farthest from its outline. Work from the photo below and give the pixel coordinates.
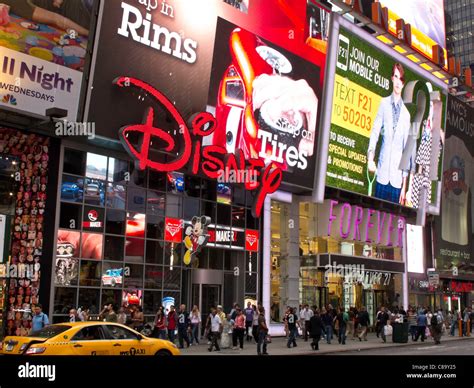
(43, 51)
(426, 19)
(260, 80)
(386, 124)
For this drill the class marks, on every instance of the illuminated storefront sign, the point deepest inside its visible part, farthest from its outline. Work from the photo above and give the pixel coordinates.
(364, 224)
(206, 160)
(461, 286)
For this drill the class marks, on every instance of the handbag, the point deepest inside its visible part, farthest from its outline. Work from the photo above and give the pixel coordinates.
(388, 330)
(268, 339)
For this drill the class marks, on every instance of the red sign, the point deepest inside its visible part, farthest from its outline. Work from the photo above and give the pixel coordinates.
(173, 230)
(461, 286)
(251, 240)
(208, 160)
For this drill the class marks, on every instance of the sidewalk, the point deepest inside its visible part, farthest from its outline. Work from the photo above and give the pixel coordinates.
(278, 346)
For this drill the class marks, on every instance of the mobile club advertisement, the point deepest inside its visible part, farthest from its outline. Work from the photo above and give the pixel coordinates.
(43, 46)
(258, 82)
(455, 227)
(387, 126)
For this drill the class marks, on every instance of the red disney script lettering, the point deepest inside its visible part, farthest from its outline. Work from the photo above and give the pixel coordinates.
(207, 160)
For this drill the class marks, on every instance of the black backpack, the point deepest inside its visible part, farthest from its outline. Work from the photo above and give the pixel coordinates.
(434, 320)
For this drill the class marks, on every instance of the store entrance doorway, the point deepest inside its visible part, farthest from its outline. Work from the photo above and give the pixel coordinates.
(206, 296)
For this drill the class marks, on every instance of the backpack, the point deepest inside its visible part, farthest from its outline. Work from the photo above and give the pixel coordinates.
(434, 320)
(345, 317)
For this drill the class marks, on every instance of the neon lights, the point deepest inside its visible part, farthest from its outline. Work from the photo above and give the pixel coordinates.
(208, 160)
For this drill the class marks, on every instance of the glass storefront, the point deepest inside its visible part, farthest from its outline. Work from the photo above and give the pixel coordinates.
(372, 285)
(111, 241)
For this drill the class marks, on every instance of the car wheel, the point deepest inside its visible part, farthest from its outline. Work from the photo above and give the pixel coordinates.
(163, 352)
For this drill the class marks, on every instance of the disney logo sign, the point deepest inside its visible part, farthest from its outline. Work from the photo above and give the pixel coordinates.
(206, 160)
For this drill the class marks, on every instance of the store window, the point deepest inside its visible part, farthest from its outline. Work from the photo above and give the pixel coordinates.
(279, 259)
(111, 246)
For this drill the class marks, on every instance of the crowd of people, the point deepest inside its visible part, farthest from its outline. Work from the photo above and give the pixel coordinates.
(232, 330)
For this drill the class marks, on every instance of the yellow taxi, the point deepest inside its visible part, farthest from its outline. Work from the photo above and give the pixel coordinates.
(87, 339)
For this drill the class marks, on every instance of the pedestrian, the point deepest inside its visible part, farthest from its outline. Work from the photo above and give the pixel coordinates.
(121, 316)
(364, 322)
(383, 319)
(137, 318)
(195, 319)
(306, 315)
(108, 313)
(351, 323)
(74, 316)
(436, 328)
(248, 321)
(183, 326)
(40, 319)
(342, 318)
(239, 329)
(412, 323)
(226, 327)
(292, 320)
(285, 321)
(262, 332)
(255, 324)
(327, 320)
(315, 328)
(421, 323)
(451, 321)
(172, 321)
(216, 330)
(159, 330)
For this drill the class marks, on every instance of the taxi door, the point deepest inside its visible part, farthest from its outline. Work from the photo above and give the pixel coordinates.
(90, 341)
(125, 342)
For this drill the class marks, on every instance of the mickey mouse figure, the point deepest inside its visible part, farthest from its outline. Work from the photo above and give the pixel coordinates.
(196, 237)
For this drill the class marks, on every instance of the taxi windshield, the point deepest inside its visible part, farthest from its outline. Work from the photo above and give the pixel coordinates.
(49, 331)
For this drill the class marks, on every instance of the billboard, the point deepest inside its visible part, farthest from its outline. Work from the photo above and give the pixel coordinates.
(43, 49)
(271, 112)
(260, 79)
(386, 125)
(455, 226)
(426, 19)
(415, 251)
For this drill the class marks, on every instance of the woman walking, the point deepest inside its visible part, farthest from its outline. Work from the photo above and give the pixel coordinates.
(195, 319)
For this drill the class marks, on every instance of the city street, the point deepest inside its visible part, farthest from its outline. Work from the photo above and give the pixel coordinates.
(374, 346)
(450, 347)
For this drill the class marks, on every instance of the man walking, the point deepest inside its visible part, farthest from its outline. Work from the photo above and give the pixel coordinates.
(292, 328)
(183, 326)
(248, 320)
(216, 329)
(306, 315)
(364, 322)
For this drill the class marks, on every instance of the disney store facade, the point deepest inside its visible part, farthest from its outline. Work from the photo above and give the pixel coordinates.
(176, 157)
(121, 234)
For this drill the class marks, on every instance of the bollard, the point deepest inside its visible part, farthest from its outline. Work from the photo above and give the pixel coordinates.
(468, 328)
